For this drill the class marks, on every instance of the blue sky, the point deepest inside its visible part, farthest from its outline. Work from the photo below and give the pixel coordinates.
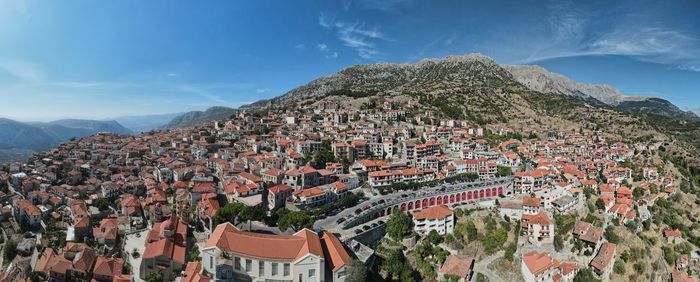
(100, 59)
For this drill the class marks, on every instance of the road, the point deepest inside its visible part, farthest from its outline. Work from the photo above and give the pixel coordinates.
(483, 267)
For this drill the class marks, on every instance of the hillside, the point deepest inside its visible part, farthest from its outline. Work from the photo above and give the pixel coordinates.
(18, 140)
(199, 117)
(476, 89)
(541, 80)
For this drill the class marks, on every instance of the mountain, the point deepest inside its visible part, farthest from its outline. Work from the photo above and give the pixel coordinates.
(18, 140)
(146, 123)
(94, 125)
(199, 117)
(542, 80)
(476, 89)
(21, 135)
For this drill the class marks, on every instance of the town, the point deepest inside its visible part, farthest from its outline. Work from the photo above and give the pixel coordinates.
(330, 192)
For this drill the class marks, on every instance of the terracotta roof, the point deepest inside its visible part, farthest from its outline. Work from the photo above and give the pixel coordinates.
(457, 265)
(531, 201)
(538, 263)
(604, 256)
(434, 212)
(334, 251)
(283, 247)
(108, 266)
(193, 273)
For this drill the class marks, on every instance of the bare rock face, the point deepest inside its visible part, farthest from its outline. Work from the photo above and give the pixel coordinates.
(542, 80)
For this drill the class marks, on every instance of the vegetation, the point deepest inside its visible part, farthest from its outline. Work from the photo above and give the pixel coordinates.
(585, 275)
(296, 220)
(9, 251)
(155, 276)
(611, 236)
(398, 225)
(356, 272)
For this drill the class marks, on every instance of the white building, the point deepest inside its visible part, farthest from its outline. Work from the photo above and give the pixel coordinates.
(233, 255)
(439, 218)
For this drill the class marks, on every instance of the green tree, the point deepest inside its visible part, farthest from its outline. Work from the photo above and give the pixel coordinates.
(480, 277)
(494, 240)
(9, 251)
(155, 276)
(504, 171)
(510, 250)
(102, 203)
(398, 225)
(619, 267)
(585, 275)
(611, 236)
(558, 242)
(296, 220)
(600, 204)
(433, 237)
(357, 272)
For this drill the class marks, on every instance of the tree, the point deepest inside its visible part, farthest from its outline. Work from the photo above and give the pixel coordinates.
(398, 225)
(210, 139)
(600, 204)
(296, 220)
(585, 275)
(394, 263)
(611, 236)
(619, 267)
(102, 203)
(637, 193)
(494, 240)
(433, 237)
(504, 171)
(480, 277)
(467, 229)
(357, 272)
(9, 251)
(510, 250)
(155, 276)
(558, 242)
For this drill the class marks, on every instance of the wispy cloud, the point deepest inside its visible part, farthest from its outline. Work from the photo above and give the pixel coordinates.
(355, 35)
(262, 90)
(327, 51)
(574, 34)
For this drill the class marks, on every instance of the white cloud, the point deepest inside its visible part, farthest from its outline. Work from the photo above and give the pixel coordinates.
(573, 33)
(354, 35)
(300, 46)
(262, 90)
(327, 51)
(171, 74)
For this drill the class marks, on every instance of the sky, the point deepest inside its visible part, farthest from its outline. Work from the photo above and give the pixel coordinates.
(104, 59)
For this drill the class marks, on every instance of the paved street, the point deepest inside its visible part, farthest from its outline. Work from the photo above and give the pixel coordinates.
(482, 266)
(137, 242)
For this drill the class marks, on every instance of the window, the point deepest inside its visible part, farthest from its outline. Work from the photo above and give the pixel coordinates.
(237, 263)
(312, 273)
(248, 265)
(261, 268)
(286, 269)
(274, 268)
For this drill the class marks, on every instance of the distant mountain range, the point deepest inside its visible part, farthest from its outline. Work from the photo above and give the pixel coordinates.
(19, 139)
(199, 117)
(146, 123)
(541, 80)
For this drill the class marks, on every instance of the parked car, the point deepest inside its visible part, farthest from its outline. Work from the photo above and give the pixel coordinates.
(340, 220)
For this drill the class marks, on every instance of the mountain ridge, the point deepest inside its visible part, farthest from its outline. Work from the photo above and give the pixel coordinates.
(20, 139)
